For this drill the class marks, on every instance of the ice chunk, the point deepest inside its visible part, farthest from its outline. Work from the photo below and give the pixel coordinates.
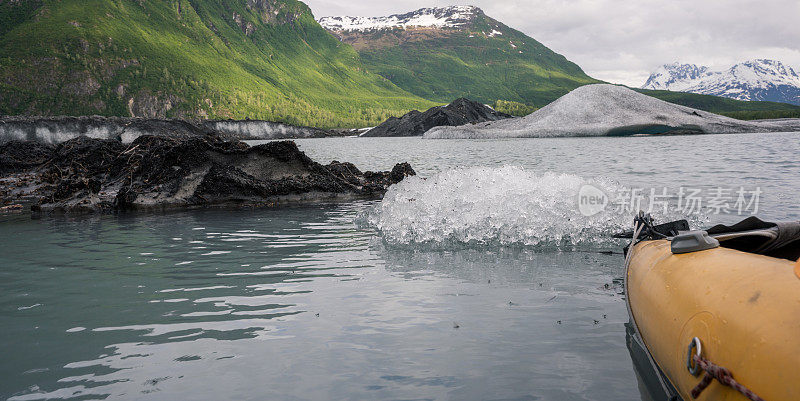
(495, 206)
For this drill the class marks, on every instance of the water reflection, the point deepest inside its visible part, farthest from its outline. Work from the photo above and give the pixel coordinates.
(298, 303)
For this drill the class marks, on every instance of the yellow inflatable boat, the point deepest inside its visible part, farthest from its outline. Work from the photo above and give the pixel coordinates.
(715, 315)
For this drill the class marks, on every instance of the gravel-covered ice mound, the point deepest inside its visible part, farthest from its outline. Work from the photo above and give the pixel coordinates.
(414, 123)
(606, 110)
(495, 206)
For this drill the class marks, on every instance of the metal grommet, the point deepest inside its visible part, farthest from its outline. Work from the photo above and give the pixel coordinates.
(693, 368)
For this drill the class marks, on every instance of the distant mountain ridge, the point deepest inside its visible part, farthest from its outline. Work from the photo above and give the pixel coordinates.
(443, 53)
(763, 80)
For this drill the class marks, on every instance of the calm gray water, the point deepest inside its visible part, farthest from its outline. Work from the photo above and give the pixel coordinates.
(312, 303)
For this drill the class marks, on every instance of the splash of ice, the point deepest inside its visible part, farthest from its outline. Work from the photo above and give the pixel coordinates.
(505, 206)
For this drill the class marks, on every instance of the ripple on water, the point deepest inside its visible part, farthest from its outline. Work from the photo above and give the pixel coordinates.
(300, 303)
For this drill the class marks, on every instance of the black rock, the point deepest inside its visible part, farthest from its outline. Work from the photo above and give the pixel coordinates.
(157, 172)
(19, 156)
(460, 112)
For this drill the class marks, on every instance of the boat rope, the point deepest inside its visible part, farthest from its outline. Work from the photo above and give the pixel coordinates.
(637, 230)
(724, 376)
(639, 224)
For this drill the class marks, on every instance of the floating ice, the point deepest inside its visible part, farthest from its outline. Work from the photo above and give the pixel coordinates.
(495, 206)
(602, 110)
(76, 329)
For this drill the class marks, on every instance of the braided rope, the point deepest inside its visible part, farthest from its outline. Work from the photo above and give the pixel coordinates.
(723, 376)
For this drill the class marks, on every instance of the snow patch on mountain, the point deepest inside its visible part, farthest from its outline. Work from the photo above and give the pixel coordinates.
(609, 110)
(760, 79)
(436, 17)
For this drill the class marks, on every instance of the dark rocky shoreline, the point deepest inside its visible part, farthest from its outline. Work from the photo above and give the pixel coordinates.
(158, 172)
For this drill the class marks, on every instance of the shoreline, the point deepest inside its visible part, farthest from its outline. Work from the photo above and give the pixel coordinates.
(86, 175)
(58, 129)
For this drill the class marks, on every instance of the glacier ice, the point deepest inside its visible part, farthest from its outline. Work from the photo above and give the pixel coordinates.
(603, 110)
(496, 206)
(55, 130)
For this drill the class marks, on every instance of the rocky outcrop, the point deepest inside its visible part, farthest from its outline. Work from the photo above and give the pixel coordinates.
(460, 112)
(247, 27)
(54, 130)
(156, 172)
(152, 105)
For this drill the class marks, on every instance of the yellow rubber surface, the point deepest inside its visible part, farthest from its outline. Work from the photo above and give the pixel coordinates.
(745, 309)
(797, 269)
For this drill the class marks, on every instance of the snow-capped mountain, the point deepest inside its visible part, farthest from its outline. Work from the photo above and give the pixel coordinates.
(437, 17)
(676, 77)
(445, 53)
(768, 80)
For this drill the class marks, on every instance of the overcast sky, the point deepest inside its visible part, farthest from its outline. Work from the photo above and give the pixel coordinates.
(623, 41)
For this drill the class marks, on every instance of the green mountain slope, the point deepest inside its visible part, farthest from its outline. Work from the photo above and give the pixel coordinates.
(742, 110)
(265, 59)
(471, 56)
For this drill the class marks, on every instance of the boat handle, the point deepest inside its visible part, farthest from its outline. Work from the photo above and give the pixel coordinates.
(695, 344)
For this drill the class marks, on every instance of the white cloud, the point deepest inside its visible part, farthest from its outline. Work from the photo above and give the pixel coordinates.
(623, 40)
